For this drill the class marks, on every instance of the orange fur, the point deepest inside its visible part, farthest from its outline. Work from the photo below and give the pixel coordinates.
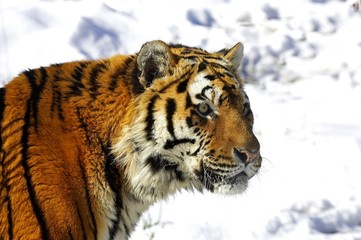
(60, 157)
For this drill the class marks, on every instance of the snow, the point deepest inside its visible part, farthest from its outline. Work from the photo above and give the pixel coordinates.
(302, 66)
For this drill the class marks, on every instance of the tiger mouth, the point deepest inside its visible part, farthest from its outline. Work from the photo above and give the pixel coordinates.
(218, 182)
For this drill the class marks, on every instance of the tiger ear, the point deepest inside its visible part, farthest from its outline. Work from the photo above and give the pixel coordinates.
(154, 60)
(234, 54)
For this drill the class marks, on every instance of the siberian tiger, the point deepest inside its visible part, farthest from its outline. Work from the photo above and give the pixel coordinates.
(88, 146)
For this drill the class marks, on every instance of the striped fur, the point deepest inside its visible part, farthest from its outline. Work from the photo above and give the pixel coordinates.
(88, 146)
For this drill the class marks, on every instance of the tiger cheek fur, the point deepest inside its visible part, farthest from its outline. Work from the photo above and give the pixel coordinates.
(88, 146)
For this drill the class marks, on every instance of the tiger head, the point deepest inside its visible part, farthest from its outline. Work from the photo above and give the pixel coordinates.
(191, 127)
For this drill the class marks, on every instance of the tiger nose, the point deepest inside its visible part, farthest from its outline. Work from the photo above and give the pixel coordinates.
(244, 155)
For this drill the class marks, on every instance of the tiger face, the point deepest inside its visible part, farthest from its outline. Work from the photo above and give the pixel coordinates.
(192, 125)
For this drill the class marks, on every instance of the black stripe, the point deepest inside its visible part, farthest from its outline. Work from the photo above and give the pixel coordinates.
(137, 87)
(171, 108)
(201, 66)
(189, 102)
(8, 124)
(226, 83)
(192, 57)
(197, 150)
(39, 90)
(219, 75)
(232, 97)
(177, 45)
(150, 118)
(116, 77)
(87, 195)
(93, 79)
(196, 130)
(182, 87)
(76, 87)
(218, 165)
(2, 109)
(57, 64)
(200, 97)
(5, 180)
(189, 121)
(56, 102)
(10, 213)
(88, 136)
(210, 77)
(27, 174)
(200, 55)
(208, 141)
(83, 125)
(210, 57)
(203, 93)
(36, 91)
(157, 163)
(120, 74)
(81, 222)
(200, 173)
(218, 169)
(70, 235)
(127, 230)
(7, 197)
(128, 61)
(194, 52)
(216, 65)
(113, 177)
(79, 71)
(221, 99)
(172, 143)
(31, 75)
(229, 74)
(186, 48)
(184, 76)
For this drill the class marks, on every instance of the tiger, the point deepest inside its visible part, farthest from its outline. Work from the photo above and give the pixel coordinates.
(88, 146)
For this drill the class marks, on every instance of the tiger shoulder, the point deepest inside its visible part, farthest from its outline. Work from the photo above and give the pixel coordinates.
(88, 146)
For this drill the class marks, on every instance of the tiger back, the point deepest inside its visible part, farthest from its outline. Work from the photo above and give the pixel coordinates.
(88, 146)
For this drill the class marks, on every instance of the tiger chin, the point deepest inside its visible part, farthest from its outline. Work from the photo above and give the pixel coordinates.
(88, 146)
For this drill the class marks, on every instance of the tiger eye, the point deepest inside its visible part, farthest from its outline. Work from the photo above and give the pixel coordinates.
(204, 110)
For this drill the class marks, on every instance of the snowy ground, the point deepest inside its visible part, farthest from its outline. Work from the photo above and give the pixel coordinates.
(303, 65)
